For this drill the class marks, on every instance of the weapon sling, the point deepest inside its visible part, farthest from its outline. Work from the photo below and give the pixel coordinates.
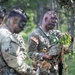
(45, 34)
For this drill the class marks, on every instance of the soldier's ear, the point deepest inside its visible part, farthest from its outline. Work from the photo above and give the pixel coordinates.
(46, 19)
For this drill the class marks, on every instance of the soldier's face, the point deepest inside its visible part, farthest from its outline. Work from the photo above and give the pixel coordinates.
(19, 26)
(51, 21)
(17, 30)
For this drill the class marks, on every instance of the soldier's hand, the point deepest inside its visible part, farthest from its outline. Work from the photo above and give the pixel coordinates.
(47, 56)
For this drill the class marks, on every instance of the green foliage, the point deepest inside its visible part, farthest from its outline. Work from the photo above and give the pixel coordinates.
(54, 39)
(67, 4)
(65, 40)
(64, 28)
(3, 1)
(32, 6)
(71, 67)
(29, 27)
(28, 61)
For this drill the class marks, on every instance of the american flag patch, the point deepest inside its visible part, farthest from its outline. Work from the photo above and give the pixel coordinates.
(34, 39)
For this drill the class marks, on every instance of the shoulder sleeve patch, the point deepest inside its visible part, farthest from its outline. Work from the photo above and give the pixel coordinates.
(35, 40)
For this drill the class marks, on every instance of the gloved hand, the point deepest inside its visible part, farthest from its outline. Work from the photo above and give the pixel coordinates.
(47, 56)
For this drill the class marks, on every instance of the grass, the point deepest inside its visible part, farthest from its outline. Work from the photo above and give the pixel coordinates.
(71, 66)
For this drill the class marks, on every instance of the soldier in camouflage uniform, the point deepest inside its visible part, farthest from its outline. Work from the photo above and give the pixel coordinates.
(41, 46)
(12, 47)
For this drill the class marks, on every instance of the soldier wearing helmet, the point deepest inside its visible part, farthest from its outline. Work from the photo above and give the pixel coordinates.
(12, 47)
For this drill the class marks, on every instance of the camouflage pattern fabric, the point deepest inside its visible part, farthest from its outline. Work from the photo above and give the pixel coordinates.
(37, 43)
(13, 52)
(40, 42)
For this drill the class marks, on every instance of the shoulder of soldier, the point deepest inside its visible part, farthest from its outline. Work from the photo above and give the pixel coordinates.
(34, 36)
(17, 35)
(35, 33)
(4, 32)
(56, 32)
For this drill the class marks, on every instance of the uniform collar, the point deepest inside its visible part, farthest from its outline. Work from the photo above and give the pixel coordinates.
(46, 33)
(5, 26)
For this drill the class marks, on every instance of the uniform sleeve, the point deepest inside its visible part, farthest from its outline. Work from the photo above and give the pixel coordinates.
(22, 45)
(33, 43)
(12, 54)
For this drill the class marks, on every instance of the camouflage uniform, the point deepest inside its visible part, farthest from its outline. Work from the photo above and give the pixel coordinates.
(39, 41)
(12, 53)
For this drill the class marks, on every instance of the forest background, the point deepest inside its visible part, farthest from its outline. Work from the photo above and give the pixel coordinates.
(35, 9)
